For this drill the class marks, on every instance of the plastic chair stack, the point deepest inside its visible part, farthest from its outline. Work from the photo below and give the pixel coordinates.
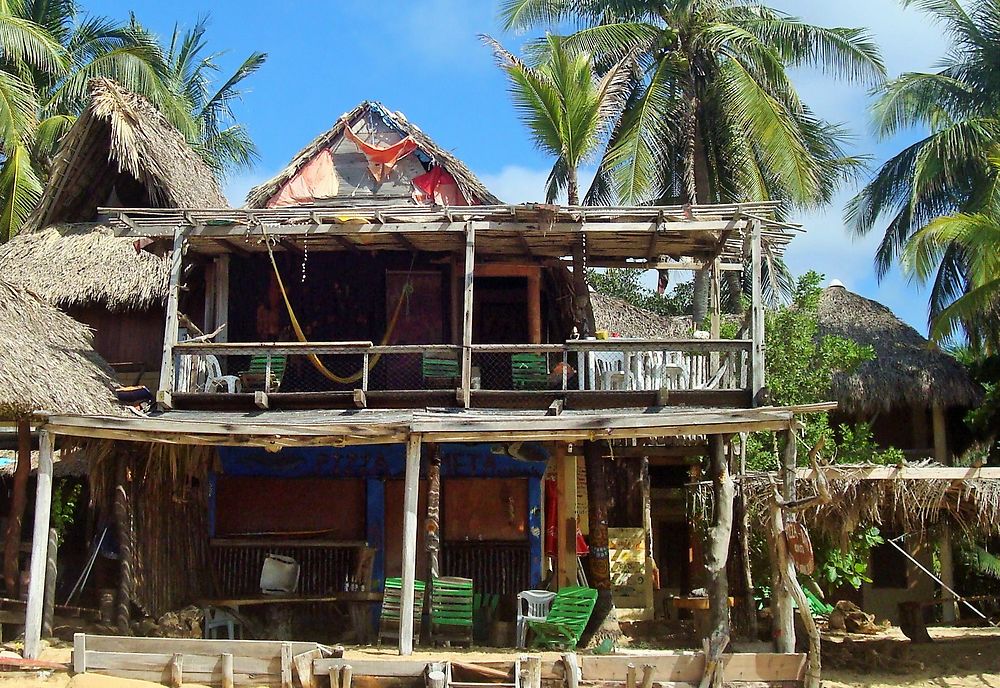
(392, 600)
(532, 605)
(451, 610)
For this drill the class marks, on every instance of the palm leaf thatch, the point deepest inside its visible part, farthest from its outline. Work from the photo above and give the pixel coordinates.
(122, 151)
(470, 186)
(627, 320)
(905, 504)
(907, 368)
(85, 264)
(48, 362)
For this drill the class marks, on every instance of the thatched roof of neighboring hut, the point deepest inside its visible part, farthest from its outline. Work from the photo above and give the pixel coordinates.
(467, 182)
(75, 265)
(907, 369)
(904, 504)
(618, 316)
(122, 152)
(47, 362)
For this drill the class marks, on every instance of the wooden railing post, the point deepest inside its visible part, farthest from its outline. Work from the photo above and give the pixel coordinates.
(757, 314)
(465, 393)
(411, 486)
(168, 369)
(39, 546)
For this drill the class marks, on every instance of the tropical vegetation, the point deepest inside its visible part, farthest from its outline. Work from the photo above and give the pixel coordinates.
(939, 193)
(51, 49)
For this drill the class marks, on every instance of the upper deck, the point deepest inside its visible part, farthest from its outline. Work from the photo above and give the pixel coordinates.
(413, 307)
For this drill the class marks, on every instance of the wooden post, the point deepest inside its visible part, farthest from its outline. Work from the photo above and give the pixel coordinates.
(51, 572)
(222, 296)
(39, 545)
(123, 528)
(717, 555)
(782, 614)
(757, 313)
(470, 269)
(604, 618)
(535, 307)
(566, 561)
(715, 314)
(19, 497)
(167, 371)
(228, 680)
(939, 425)
(411, 486)
(583, 314)
(432, 535)
(741, 522)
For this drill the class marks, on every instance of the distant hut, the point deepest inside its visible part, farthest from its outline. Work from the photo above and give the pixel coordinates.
(624, 319)
(121, 152)
(372, 155)
(914, 394)
(48, 364)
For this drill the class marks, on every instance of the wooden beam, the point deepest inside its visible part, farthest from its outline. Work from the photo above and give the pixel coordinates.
(235, 246)
(535, 307)
(39, 545)
(846, 472)
(290, 246)
(411, 487)
(221, 293)
(757, 316)
(566, 484)
(346, 243)
(467, 305)
(167, 371)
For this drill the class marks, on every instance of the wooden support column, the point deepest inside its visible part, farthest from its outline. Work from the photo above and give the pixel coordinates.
(470, 268)
(717, 555)
(39, 546)
(221, 294)
(583, 314)
(126, 547)
(535, 307)
(782, 614)
(51, 572)
(19, 497)
(757, 316)
(167, 367)
(566, 481)
(939, 426)
(432, 535)
(411, 487)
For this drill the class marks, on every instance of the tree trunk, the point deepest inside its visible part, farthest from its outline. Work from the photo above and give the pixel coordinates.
(735, 288)
(126, 550)
(12, 539)
(572, 187)
(699, 193)
(604, 621)
(716, 557)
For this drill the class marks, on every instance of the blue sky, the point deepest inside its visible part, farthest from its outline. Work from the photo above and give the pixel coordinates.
(423, 57)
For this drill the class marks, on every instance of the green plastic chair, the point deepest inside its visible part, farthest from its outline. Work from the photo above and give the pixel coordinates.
(567, 617)
(439, 371)
(529, 371)
(256, 377)
(392, 601)
(451, 610)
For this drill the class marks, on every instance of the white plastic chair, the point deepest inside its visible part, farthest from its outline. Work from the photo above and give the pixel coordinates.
(215, 380)
(532, 605)
(220, 620)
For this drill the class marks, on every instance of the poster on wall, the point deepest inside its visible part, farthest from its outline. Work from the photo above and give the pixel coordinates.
(631, 582)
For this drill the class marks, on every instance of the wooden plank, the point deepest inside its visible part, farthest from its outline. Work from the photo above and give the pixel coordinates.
(303, 665)
(757, 316)
(39, 545)
(372, 667)
(286, 665)
(745, 666)
(163, 677)
(275, 348)
(228, 680)
(263, 649)
(847, 472)
(170, 330)
(79, 653)
(193, 663)
(689, 667)
(411, 487)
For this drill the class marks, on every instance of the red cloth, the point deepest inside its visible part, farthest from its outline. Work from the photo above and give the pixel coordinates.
(381, 159)
(437, 187)
(551, 522)
(316, 179)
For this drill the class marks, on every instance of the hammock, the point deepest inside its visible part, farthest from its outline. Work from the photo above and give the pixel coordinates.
(301, 336)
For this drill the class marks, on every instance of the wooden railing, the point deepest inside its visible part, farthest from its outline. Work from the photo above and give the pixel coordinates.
(649, 370)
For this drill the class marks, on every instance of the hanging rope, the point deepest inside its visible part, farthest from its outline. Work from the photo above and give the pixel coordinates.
(301, 336)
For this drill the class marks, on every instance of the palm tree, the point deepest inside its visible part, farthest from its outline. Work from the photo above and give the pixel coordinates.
(566, 106)
(976, 236)
(222, 142)
(713, 115)
(947, 172)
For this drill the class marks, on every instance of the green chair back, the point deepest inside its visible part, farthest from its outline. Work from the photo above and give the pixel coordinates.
(439, 368)
(567, 618)
(392, 601)
(451, 610)
(257, 371)
(529, 371)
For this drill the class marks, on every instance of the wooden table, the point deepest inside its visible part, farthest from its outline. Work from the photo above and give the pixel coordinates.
(357, 602)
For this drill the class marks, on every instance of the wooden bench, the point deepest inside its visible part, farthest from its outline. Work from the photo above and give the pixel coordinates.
(226, 663)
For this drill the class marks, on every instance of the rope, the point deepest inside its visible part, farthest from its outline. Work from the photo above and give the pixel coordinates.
(301, 336)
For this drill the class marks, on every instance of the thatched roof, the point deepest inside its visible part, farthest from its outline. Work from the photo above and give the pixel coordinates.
(122, 152)
(47, 362)
(467, 182)
(75, 265)
(905, 504)
(627, 320)
(907, 369)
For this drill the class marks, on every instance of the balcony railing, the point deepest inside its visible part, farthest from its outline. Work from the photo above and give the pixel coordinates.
(603, 373)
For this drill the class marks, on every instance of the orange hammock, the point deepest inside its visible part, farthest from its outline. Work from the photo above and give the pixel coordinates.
(301, 336)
